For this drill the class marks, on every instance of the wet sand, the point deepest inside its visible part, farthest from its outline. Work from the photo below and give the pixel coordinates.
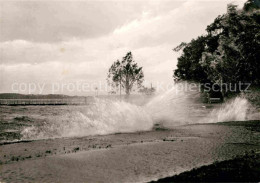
(133, 157)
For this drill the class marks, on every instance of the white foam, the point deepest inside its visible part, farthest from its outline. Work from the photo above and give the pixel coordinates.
(103, 117)
(172, 108)
(234, 110)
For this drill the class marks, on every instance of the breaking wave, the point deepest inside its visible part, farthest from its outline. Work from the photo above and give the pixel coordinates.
(234, 110)
(174, 107)
(102, 117)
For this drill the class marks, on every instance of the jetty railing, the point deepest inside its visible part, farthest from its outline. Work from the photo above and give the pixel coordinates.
(81, 101)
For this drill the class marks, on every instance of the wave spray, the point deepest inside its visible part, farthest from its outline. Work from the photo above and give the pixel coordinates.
(172, 108)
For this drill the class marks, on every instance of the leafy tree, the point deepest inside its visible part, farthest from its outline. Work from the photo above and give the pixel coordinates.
(125, 74)
(228, 53)
(188, 63)
(236, 57)
(251, 5)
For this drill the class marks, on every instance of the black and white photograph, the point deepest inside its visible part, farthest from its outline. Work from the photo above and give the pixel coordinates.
(129, 91)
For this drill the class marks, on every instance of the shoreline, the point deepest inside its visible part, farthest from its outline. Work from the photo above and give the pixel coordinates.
(127, 157)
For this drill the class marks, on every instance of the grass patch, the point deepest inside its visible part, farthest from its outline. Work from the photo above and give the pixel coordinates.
(48, 152)
(76, 149)
(239, 169)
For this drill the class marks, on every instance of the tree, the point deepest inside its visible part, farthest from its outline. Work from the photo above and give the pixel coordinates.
(228, 53)
(251, 5)
(125, 74)
(188, 63)
(236, 58)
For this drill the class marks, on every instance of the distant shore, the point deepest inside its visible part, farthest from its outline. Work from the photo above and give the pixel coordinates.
(127, 157)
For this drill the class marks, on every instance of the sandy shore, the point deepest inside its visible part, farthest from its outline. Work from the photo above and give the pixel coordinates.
(133, 157)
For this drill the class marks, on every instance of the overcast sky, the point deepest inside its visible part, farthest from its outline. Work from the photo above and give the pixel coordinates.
(51, 43)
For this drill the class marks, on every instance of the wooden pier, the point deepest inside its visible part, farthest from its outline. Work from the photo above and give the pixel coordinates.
(14, 102)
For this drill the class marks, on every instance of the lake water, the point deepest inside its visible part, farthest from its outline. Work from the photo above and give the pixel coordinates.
(105, 116)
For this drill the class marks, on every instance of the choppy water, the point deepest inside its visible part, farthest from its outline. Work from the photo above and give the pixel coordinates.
(113, 116)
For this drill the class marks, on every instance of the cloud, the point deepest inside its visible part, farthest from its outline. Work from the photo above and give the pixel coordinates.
(52, 21)
(176, 25)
